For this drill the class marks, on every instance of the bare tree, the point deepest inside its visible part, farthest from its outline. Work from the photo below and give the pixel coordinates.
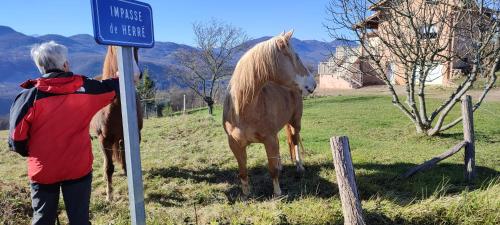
(208, 67)
(406, 41)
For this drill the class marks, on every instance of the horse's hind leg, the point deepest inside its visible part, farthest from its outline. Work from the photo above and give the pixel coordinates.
(109, 168)
(294, 142)
(274, 162)
(291, 145)
(121, 152)
(240, 153)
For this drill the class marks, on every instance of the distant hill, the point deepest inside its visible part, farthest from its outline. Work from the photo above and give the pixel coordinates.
(4, 112)
(86, 56)
(5, 106)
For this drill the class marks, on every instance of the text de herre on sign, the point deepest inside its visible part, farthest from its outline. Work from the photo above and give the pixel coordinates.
(126, 15)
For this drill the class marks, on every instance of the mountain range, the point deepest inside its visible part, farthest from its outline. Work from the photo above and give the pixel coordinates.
(86, 56)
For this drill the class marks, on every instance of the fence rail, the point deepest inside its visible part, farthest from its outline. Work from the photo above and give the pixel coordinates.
(468, 143)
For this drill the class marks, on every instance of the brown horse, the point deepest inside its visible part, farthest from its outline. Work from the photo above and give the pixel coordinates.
(265, 94)
(107, 123)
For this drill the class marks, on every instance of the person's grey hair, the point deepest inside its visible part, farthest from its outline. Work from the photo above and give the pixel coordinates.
(49, 56)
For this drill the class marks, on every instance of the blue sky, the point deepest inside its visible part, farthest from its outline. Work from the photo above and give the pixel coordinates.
(173, 18)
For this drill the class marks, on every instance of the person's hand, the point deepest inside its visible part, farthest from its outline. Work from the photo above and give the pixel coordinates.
(137, 77)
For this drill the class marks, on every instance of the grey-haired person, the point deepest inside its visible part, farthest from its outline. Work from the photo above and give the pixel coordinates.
(49, 124)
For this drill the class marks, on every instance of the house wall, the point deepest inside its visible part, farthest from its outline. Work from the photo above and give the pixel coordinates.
(446, 38)
(342, 71)
(333, 82)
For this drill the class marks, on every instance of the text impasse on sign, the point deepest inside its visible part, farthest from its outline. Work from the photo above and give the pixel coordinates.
(123, 23)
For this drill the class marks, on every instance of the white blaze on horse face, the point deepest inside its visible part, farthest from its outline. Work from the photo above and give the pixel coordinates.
(306, 83)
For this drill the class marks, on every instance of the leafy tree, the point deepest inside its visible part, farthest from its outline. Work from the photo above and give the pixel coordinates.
(147, 91)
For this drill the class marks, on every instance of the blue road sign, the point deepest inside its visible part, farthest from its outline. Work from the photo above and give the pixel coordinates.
(123, 23)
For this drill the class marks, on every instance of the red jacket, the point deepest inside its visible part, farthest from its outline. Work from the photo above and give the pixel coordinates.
(49, 123)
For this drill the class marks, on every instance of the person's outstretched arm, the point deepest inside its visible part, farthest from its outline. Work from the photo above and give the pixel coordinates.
(21, 116)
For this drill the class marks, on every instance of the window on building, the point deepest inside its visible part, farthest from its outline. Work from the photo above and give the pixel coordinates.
(428, 32)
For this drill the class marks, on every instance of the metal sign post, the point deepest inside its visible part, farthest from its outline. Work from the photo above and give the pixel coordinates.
(127, 23)
(131, 136)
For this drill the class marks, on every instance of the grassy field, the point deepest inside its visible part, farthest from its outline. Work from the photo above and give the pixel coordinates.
(190, 175)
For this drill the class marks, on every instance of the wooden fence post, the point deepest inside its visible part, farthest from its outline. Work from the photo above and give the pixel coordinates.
(469, 137)
(184, 104)
(351, 205)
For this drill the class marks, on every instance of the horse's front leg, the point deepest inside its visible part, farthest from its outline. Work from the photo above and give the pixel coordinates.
(240, 153)
(274, 162)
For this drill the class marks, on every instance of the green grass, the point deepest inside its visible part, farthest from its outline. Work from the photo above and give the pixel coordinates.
(190, 175)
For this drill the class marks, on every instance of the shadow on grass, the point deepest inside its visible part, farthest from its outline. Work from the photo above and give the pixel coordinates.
(379, 218)
(167, 200)
(293, 185)
(486, 137)
(444, 178)
(372, 180)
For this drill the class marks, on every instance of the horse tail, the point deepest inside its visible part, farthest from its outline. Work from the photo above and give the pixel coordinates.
(288, 131)
(302, 153)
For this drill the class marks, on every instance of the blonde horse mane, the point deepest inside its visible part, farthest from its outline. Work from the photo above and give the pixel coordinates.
(255, 68)
(110, 66)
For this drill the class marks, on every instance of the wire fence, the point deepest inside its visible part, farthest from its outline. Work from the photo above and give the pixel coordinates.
(161, 107)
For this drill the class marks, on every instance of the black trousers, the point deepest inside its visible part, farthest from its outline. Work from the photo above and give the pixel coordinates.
(76, 195)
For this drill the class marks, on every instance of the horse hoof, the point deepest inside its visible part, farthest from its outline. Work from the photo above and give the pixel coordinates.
(245, 190)
(109, 196)
(244, 197)
(301, 170)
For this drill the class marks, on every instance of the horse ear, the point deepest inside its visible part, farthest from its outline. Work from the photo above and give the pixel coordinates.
(282, 33)
(282, 43)
(288, 35)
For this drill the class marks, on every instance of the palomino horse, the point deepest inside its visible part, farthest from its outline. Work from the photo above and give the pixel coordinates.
(107, 123)
(265, 94)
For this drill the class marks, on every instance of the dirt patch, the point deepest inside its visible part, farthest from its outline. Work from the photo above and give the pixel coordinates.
(15, 204)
